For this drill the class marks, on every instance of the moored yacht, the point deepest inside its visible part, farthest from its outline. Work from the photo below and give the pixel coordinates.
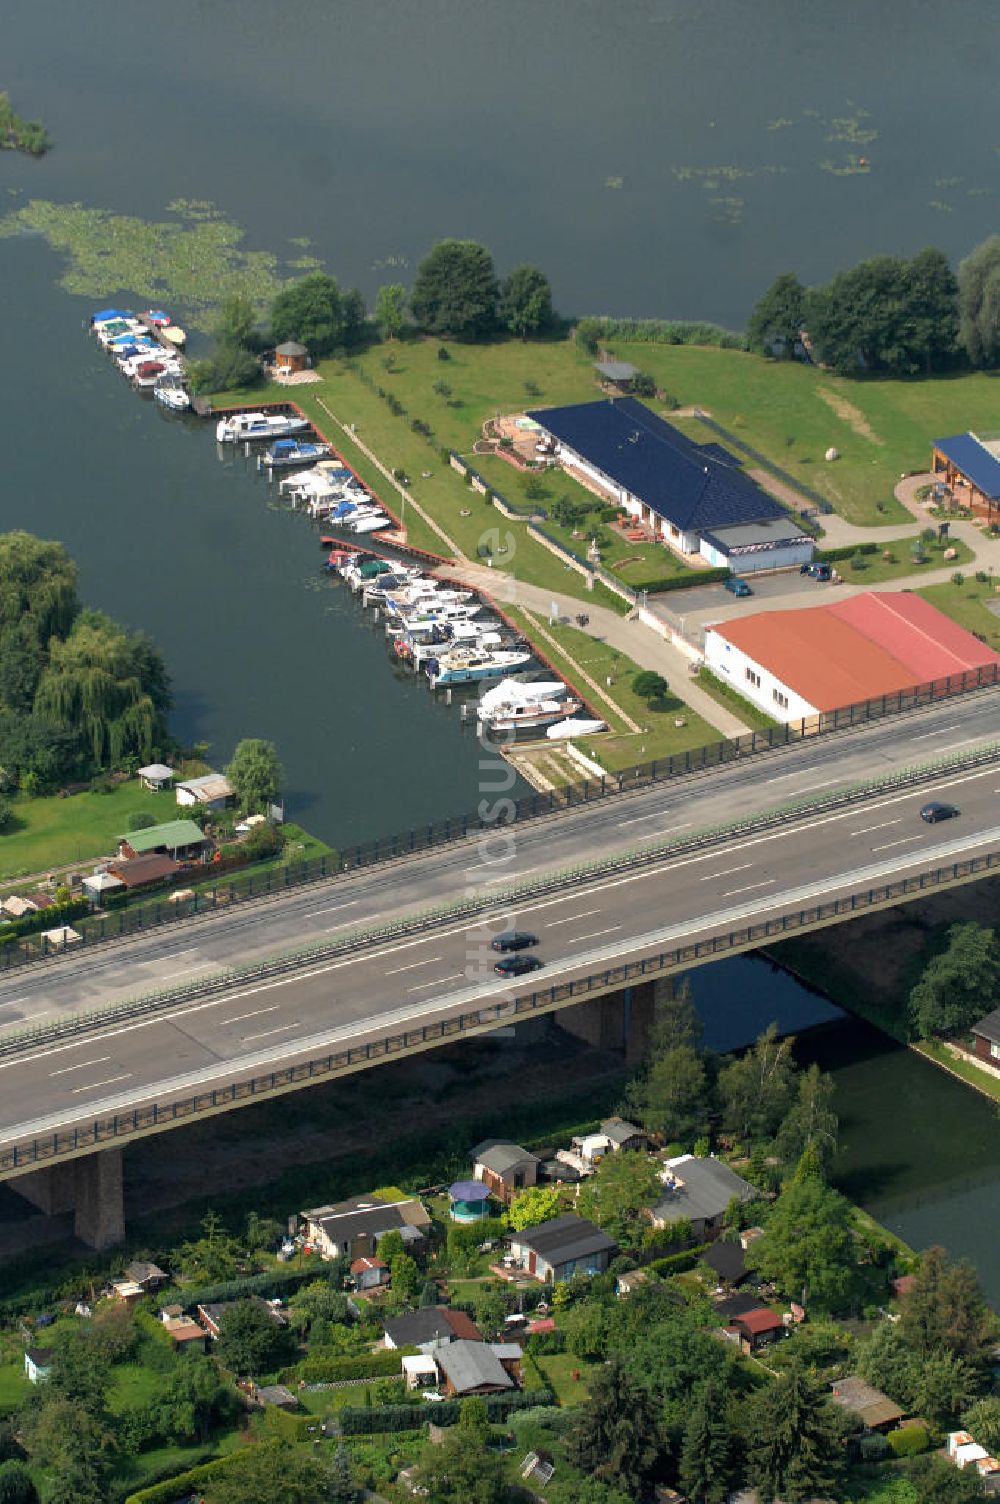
(239, 427)
(286, 452)
(470, 665)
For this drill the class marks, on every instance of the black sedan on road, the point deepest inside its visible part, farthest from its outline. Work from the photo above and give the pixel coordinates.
(513, 940)
(517, 965)
(937, 810)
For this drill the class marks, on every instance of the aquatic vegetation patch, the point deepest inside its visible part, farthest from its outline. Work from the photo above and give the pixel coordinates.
(194, 260)
(849, 128)
(18, 134)
(848, 169)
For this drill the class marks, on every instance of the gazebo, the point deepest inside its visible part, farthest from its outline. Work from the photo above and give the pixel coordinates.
(469, 1201)
(291, 356)
(156, 776)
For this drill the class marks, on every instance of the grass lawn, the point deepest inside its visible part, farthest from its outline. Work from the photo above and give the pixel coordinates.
(724, 694)
(14, 1386)
(934, 1050)
(965, 604)
(875, 569)
(559, 1369)
(137, 1471)
(52, 832)
(132, 1384)
(658, 737)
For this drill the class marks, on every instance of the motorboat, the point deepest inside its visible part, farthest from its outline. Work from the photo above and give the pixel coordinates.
(488, 640)
(176, 336)
(517, 689)
(563, 729)
(174, 398)
(286, 452)
(470, 665)
(157, 318)
(241, 427)
(147, 374)
(527, 715)
(372, 523)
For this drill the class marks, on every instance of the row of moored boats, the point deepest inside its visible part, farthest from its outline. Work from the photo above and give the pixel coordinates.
(142, 357)
(448, 634)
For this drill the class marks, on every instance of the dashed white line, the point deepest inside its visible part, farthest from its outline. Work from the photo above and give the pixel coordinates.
(331, 908)
(413, 965)
(883, 825)
(653, 815)
(726, 872)
(65, 1069)
(438, 982)
(749, 888)
(281, 1029)
(938, 732)
(585, 915)
(901, 842)
(594, 935)
(95, 1084)
(253, 1014)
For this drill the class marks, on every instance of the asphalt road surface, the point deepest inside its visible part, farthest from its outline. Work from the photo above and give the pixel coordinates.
(420, 979)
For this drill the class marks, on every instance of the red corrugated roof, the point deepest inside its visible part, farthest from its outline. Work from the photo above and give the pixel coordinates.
(872, 644)
(463, 1326)
(759, 1321)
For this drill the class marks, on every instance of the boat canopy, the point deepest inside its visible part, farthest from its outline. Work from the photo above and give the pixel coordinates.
(284, 446)
(157, 316)
(110, 313)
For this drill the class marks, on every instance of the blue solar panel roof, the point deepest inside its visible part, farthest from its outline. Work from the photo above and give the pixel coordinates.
(694, 486)
(974, 460)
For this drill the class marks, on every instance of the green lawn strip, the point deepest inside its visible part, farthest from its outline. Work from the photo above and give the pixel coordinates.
(982, 1080)
(873, 569)
(559, 1369)
(140, 1470)
(325, 1401)
(659, 736)
(966, 604)
(14, 1386)
(724, 694)
(50, 831)
(132, 1384)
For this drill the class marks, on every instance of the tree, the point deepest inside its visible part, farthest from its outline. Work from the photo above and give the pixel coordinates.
(404, 1276)
(16, 1486)
(311, 311)
(777, 317)
(793, 1440)
(390, 309)
(810, 1122)
(933, 301)
(885, 1360)
(260, 1232)
(706, 1464)
(341, 1487)
(455, 292)
(936, 1480)
(250, 1340)
(649, 685)
(616, 1437)
(982, 1420)
(460, 1469)
(526, 302)
(676, 1021)
(390, 1245)
(979, 303)
(944, 1386)
(237, 322)
(960, 984)
(37, 587)
(228, 368)
(539, 1203)
(945, 1310)
(272, 1474)
(807, 1247)
(672, 1098)
(255, 774)
(616, 1194)
(489, 1306)
(756, 1086)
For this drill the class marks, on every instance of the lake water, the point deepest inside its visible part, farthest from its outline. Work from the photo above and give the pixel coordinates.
(656, 157)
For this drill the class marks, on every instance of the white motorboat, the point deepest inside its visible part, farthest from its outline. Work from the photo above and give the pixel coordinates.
(283, 453)
(370, 524)
(241, 427)
(563, 729)
(527, 715)
(174, 398)
(510, 690)
(470, 665)
(421, 652)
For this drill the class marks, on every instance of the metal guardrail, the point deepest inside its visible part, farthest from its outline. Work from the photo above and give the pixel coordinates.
(127, 921)
(107, 1130)
(357, 941)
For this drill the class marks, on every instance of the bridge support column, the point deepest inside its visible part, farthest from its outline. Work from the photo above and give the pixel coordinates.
(599, 1022)
(91, 1188)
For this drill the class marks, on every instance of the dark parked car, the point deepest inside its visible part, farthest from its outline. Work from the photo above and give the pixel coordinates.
(937, 810)
(737, 586)
(513, 940)
(817, 571)
(517, 965)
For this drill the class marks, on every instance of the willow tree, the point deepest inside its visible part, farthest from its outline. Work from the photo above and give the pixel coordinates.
(37, 587)
(107, 686)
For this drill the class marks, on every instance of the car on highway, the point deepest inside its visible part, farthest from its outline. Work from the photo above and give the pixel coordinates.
(736, 586)
(514, 940)
(517, 965)
(817, 571)
(937, 810)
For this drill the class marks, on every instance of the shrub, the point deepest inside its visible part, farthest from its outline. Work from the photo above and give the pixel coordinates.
(141, 819)
(859, 561)
(982, 578)
(443, 353)
(874, 1448)
(958, 578)
(908, 1441)
(6, 813)
(338, 1370)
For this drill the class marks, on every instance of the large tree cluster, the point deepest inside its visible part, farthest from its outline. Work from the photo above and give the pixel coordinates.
(78, 692)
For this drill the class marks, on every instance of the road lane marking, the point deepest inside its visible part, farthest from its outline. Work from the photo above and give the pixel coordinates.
(65, 1069)
(358, 919)
(653, 815)
(281, 1029)
(902, 842)
(438, 982)
(413, 965)
(330, 908)
(95, 1084)
(552, 923)
(940, 730)
(253, 1014)
(10, 1001)
(749, 888)
(726, 872)
(867, 829)
(594, 935)
(165, 976)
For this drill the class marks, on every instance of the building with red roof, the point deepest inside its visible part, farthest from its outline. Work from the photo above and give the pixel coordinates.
(801, 665)
(756, 1328)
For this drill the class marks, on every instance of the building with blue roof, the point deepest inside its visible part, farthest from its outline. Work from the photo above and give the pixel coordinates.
(970, 466)
(693, 496)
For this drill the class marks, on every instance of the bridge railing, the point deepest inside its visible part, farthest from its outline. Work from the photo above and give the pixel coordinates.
(101, 1132)
(134, 917)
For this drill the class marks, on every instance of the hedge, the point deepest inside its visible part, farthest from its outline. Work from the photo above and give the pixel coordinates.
(347, 1366)
(356, 1422)
(679, 581)
(908, 1441)
(275, 1281)
(47, 919)
(183, 1485)
(468, 1235)
(677, 1263)
(847, 551)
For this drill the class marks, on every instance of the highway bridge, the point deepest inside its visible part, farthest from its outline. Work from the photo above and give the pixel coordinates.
(629, 889)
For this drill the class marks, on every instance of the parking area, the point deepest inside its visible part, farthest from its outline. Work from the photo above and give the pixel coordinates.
(689, 610)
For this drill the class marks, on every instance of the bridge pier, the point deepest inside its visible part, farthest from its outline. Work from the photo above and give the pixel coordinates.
(90, 1187)
(619, 1020)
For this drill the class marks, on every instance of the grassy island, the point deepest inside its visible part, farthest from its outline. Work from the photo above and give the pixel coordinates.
(17, 134)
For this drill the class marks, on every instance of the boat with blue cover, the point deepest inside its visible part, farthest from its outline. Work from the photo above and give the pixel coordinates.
(286, 452)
